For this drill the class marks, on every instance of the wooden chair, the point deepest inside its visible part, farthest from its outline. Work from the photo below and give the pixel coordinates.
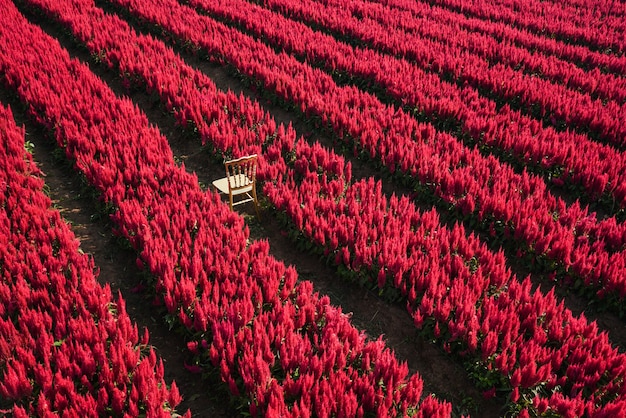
(240, 180)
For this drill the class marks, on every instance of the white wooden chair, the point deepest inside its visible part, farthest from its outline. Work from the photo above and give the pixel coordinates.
(240, 180)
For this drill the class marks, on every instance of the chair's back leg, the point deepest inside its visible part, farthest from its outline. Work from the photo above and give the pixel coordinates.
(256, 202)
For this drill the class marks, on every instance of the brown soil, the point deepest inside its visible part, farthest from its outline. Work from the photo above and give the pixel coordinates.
(442, 375)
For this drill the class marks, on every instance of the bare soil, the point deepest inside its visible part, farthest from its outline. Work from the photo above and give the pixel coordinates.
(442, 375)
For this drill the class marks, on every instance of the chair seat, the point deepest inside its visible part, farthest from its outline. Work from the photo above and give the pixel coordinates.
(241, 179)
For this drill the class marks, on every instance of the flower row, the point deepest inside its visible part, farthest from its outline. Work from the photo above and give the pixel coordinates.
(278, 345)
(581, 56)
(355, 224)
(67, 346)
(576, 25)
(519, 205)
(190, 95)
(595, 83)
(547, 101)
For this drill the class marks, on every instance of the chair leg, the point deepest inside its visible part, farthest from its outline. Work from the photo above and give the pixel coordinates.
(256, 203)
(230, 200)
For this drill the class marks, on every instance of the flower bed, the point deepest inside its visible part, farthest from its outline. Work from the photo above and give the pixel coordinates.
(514, 207)
(282, 349)
(452, 283)
(67, 346)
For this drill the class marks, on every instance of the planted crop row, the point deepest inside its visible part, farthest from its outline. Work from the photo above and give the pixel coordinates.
(551, 103)
(189, 94)
(354, 224)
(493, 51)
(591, 33)
(67, 346)
(597, 8)
(284, 350)
(583, 14)
(581, 56)
(517, 205)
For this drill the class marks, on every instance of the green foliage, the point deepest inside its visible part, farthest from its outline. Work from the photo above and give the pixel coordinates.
(29, 147)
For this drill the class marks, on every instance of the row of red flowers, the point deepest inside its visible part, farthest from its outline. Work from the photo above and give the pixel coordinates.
(581, 56)
(526, 213)
(493, 51)
(66, 345)
(284, 349)
(573, 158)
(189, 94)
(550, 102)
(356, 225)
(580, 25)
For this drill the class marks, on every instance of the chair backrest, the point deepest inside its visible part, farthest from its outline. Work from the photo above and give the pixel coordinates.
(241, 173)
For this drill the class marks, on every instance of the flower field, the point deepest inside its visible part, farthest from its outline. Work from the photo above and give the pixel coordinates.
(504, 119)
